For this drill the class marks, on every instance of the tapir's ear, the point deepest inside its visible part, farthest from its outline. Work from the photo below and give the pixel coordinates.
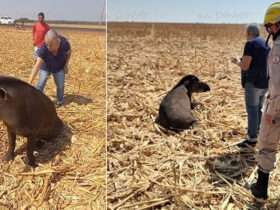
(187, 82)
(190, 79)
(3, 94)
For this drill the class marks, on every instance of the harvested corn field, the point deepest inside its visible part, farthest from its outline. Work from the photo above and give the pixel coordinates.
(71, 172)
(200, 168)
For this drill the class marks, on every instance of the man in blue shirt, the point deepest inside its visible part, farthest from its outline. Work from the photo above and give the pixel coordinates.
(53, 59)
(254, 80)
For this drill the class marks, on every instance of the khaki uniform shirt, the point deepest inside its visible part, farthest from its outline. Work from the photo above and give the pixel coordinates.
(273, 100)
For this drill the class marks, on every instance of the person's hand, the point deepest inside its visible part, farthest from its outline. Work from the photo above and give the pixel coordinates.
(234, 60)
(66, 69)
(30, 81)
(268, 118)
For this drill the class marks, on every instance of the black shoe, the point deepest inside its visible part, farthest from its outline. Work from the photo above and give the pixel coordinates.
(259, 189)
(246, 143)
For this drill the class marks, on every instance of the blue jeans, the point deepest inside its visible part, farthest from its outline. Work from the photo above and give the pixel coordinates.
(59, 78)
(254, 98)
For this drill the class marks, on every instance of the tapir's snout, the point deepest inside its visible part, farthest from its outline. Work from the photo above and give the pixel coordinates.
(200, 87)
(204, 87)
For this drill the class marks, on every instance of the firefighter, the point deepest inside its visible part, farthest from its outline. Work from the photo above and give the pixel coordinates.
(269, 135)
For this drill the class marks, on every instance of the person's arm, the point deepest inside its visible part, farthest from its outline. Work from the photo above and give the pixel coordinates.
(244, 63)
(33, 33)
(271, 111)
(66, 67)
(247, 57)
(68, 56)
(35, 69)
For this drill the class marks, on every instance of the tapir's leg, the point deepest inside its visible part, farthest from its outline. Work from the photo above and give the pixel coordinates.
(183, 123)
(12, 144)
(39, 144)
(191, 121)
(31, 143)
(193, 105)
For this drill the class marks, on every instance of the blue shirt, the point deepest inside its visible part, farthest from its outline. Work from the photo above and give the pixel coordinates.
(54, 63)
(257, 72)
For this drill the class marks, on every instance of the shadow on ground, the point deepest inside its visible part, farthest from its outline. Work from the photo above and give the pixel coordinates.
(231, 166)
(80, 100)
(49, 149)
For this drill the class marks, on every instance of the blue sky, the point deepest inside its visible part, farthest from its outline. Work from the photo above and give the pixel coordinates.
(83, 10)
(205, 11)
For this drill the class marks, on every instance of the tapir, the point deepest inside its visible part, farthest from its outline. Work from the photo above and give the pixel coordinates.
(26, 112)
(175, 108)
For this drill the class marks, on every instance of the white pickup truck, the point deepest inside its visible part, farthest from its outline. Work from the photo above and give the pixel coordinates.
(6, 20)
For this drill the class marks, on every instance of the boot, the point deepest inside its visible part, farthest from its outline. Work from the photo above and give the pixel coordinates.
(247, 144)
(259, 189)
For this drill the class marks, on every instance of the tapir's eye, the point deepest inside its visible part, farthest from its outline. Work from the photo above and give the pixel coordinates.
(3, 93)
(195, 79)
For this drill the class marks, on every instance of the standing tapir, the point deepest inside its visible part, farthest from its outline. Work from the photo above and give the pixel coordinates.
(26, 112)
(175, 108)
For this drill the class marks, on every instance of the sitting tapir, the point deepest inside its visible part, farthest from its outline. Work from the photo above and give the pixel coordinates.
(26, 112)
(175, 108)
